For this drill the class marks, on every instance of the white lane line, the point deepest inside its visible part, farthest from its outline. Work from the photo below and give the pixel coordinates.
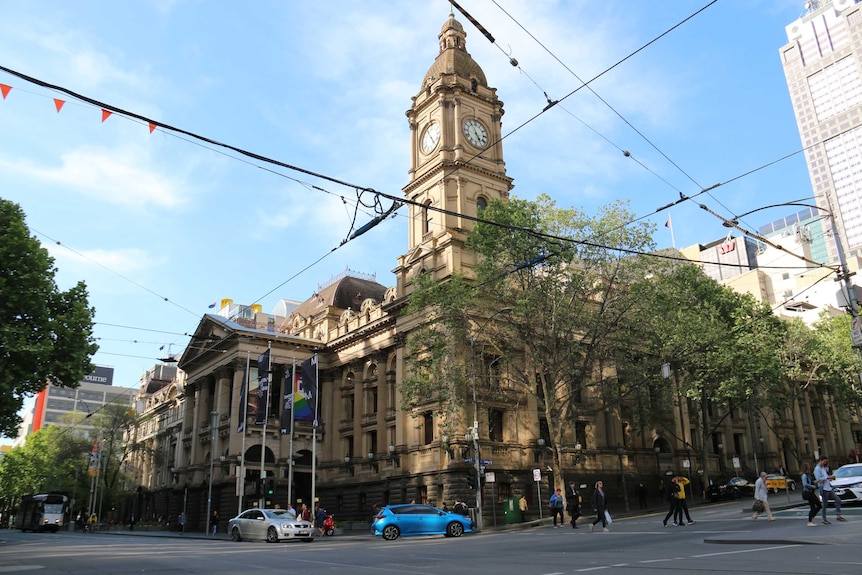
(745, 551)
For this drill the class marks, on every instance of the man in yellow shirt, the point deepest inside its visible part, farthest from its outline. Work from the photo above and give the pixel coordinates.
(683, 481)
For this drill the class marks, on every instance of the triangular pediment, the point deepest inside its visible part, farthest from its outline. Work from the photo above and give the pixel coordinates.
(417, 254)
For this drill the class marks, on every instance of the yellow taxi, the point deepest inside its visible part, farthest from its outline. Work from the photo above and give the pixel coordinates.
(776, 483)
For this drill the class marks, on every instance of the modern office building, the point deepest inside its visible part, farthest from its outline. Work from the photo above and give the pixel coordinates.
(822, 65)
(94, 391)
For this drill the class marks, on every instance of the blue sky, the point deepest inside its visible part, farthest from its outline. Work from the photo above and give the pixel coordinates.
(324, 86)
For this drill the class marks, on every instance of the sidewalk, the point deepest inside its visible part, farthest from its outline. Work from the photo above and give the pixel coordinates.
(653, 509)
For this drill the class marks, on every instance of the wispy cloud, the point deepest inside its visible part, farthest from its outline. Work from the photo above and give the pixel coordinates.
(111, 176)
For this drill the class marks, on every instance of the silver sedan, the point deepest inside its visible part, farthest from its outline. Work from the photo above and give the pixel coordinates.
(271, 525)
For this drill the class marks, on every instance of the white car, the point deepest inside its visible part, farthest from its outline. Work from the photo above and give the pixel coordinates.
(848, 483)
(271, 525)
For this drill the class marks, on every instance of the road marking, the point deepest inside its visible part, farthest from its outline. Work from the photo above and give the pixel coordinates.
(745, 551)
(20, 568)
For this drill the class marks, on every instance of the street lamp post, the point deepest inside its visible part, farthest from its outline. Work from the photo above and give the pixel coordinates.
(762, 456)
(657, 467)
(214, 426)
(476, 414)
(720, 458)
(843, 274)
(623, 477)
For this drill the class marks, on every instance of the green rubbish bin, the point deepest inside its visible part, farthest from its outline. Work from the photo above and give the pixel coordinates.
(511, 510)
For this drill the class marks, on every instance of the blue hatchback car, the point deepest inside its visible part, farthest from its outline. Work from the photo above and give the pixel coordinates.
(394, 521)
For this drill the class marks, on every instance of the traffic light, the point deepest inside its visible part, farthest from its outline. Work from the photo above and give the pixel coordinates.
(471, 479)
(270, 485)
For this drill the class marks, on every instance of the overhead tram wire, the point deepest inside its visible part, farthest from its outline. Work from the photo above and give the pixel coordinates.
(605, 102)
(118, 274)
(586, 84)
(682, 197)
(168, 127)
(265, 159)
(514, 62)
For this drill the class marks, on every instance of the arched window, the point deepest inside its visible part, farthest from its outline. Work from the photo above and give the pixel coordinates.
(428, 427)
(426, 217)
(481, 204)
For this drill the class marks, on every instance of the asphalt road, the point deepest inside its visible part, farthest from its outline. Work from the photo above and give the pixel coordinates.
(724, 539)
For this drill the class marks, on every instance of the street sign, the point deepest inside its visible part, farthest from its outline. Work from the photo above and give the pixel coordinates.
(470, 460)
(686, 463)
(486, 462)
(736, 463)
(490, 477)
(856, 331)
(537, 475)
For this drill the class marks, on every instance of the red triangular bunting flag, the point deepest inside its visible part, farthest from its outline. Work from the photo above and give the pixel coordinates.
(58, 103)
(4, 89)
(152, 127)
(105, 115)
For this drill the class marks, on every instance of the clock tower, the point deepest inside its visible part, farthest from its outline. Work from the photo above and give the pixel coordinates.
(457, 164)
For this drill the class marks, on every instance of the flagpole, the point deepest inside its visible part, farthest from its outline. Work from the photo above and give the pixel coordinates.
(669, 224)
(244, 399)
(314, 437)
(292, 419)
(262, 502)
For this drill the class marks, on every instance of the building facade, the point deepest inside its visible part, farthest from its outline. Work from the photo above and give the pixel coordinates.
(215, 440)
(823, 69)
(53, 404)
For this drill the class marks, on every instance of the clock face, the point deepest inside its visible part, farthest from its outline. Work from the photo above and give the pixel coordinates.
(476, 133)
(431, 137)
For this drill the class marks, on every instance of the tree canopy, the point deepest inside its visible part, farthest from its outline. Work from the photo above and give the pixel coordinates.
(565, 287)
(45, 334)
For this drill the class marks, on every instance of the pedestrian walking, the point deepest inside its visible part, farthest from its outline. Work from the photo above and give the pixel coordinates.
(557, 504)
(181, 523)
(761, 495)
(600, 507)
(132, 522)
(824, 479)
(810, 494)
(522, 505)
(319, 518)
(214, 522)
(672, 495)
(573, 504)
(683, 506)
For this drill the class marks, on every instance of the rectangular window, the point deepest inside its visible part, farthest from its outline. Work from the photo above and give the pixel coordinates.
(495, 425)
(581, 433)
(428, 427)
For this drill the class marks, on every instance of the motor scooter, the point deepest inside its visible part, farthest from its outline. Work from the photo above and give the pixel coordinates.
(329, 525)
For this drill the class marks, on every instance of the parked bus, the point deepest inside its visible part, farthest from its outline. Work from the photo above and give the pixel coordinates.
(43, 512)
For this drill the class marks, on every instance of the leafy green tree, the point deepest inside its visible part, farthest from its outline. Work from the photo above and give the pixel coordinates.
(722, 346)
(566, 282)
(45, 334)
(817, 360)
